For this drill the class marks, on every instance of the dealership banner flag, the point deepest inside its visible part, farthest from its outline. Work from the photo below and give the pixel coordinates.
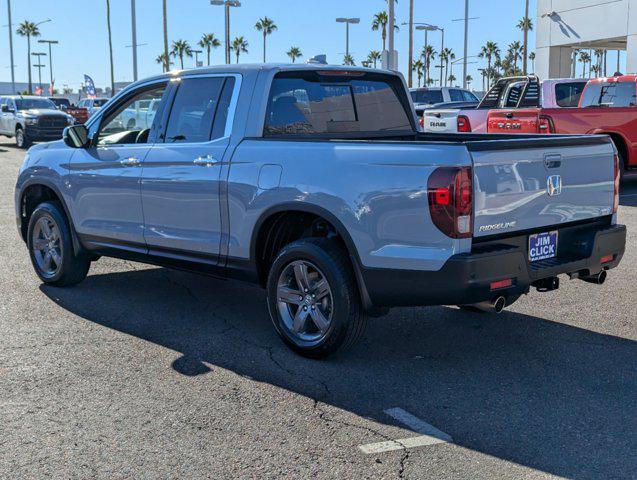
(89, 87)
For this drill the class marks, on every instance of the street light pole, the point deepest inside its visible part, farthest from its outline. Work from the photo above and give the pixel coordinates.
(427, 28)
(390, 53)
(50, 42)
(39, 66)
(197, 52)
(134, 34)
(442, 47)
(347, 21)
(11, 48)
(466, 34)
(227, 4)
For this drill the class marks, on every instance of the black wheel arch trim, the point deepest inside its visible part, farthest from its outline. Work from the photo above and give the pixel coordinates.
(330, 217)
(77, 246)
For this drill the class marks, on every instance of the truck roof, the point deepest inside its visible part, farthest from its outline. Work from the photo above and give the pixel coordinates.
(256, 67)
(619, 78)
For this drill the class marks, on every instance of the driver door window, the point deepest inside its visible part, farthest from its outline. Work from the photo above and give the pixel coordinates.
(131, 122)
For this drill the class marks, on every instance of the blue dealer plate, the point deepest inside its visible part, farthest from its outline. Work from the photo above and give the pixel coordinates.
(542, 246)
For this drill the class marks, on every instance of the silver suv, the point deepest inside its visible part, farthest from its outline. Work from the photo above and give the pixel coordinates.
(31, 119)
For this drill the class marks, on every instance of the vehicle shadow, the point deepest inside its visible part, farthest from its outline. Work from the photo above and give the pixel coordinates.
(628, 192)
(539, 393)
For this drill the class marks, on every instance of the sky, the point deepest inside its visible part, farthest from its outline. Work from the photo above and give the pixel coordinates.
(80, 27)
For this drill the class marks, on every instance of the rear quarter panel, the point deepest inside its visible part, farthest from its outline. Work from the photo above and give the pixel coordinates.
(377, 191)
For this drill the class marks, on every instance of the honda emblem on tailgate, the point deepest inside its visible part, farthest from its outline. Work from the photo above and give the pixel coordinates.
(554, 185)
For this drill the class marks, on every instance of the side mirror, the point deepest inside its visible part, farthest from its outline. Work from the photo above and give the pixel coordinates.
(5, 109)
(76, 136)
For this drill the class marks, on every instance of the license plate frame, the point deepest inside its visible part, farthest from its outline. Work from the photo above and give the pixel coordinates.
(543, 246)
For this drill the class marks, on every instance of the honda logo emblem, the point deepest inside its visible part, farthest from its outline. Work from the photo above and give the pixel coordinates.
(554, 185)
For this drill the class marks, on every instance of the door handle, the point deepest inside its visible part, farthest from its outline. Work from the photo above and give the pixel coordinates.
(130, 161)
(205, 161)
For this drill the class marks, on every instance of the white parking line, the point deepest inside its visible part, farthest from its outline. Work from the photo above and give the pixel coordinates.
(430, 435)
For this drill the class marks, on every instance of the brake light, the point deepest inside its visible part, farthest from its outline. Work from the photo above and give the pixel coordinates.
(506, 283)
(607, 258)
(421, 120)
(464, 125)
(545, 125)
(450, 194)
(616, 185)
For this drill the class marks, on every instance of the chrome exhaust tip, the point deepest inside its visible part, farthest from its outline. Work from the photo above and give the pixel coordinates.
(598, 279)
(499, 304)
(494, 306)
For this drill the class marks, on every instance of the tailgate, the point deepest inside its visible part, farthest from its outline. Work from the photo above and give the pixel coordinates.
(440, 121)
(540, 182)
(515, 120)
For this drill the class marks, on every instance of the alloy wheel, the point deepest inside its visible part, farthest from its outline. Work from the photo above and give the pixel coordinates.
(304, 301)
(47, 249)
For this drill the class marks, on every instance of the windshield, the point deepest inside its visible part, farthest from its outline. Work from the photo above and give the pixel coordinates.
(99, 102)
(61, 102)
(29, 103)
(426, 96)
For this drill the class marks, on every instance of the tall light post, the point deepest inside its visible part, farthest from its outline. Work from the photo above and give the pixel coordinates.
(426, 28)
(442, 47)
(50, 42)
(466, 37)
(11, 47)
(134, 37)
(347, 22)
(39, 65)
(464, 62)
(391, 61)
(227, 4)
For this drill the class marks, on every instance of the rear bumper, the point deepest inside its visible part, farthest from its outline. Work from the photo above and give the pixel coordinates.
(466, 278)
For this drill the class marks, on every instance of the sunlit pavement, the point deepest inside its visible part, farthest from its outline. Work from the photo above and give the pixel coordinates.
(142, 372)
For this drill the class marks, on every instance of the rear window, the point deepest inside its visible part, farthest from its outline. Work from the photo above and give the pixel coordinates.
(427, 96)
(309, 102)
(568, 94)
(610, 94)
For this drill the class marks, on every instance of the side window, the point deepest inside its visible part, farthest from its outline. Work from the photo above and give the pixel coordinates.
(568, 94)
(625, 94)
(469, 97)
(455, 95)
(194, 109)
(128, 123)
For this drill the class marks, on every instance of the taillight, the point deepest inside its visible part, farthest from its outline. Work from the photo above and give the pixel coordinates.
(450, 194)
(545, 125)
(616, 185)
(464, 125)
(421, 120)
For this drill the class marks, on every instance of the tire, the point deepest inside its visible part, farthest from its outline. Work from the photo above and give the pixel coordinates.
(48, 225)
(21, 140)
(338, 311)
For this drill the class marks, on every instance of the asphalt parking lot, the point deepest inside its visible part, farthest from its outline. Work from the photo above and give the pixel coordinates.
(143, 372)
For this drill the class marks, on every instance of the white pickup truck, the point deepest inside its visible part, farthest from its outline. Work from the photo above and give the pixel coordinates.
(510, 92)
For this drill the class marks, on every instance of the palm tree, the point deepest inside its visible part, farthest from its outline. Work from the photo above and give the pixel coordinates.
(161, 59)
(348, 60)
(418, 66)
(28, 29)
(209, 41)
(380, 22)
(266, 26)
(584, 57)
(239, 45)
(526, 26)
(428, 53)
(179, 49)
(489, 51)
(166, 52)
(294, 53)
(110, 45)
(452, 78)
(373, 57)
(469, 80)
(514, 53)
(532, 58)
(446, 56)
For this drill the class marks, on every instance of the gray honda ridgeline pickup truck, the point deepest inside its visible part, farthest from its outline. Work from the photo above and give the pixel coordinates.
(315, 183)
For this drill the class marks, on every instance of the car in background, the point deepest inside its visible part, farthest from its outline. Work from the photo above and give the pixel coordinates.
(507, 92)
(80, 114)
(140, 114)
(92, 105)
(31, 119)
(605, 106)
(427, 97)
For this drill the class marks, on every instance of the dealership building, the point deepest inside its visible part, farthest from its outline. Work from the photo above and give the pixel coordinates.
(563, 26)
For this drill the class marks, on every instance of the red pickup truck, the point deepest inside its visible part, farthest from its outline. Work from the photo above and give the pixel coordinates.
(607, 106)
